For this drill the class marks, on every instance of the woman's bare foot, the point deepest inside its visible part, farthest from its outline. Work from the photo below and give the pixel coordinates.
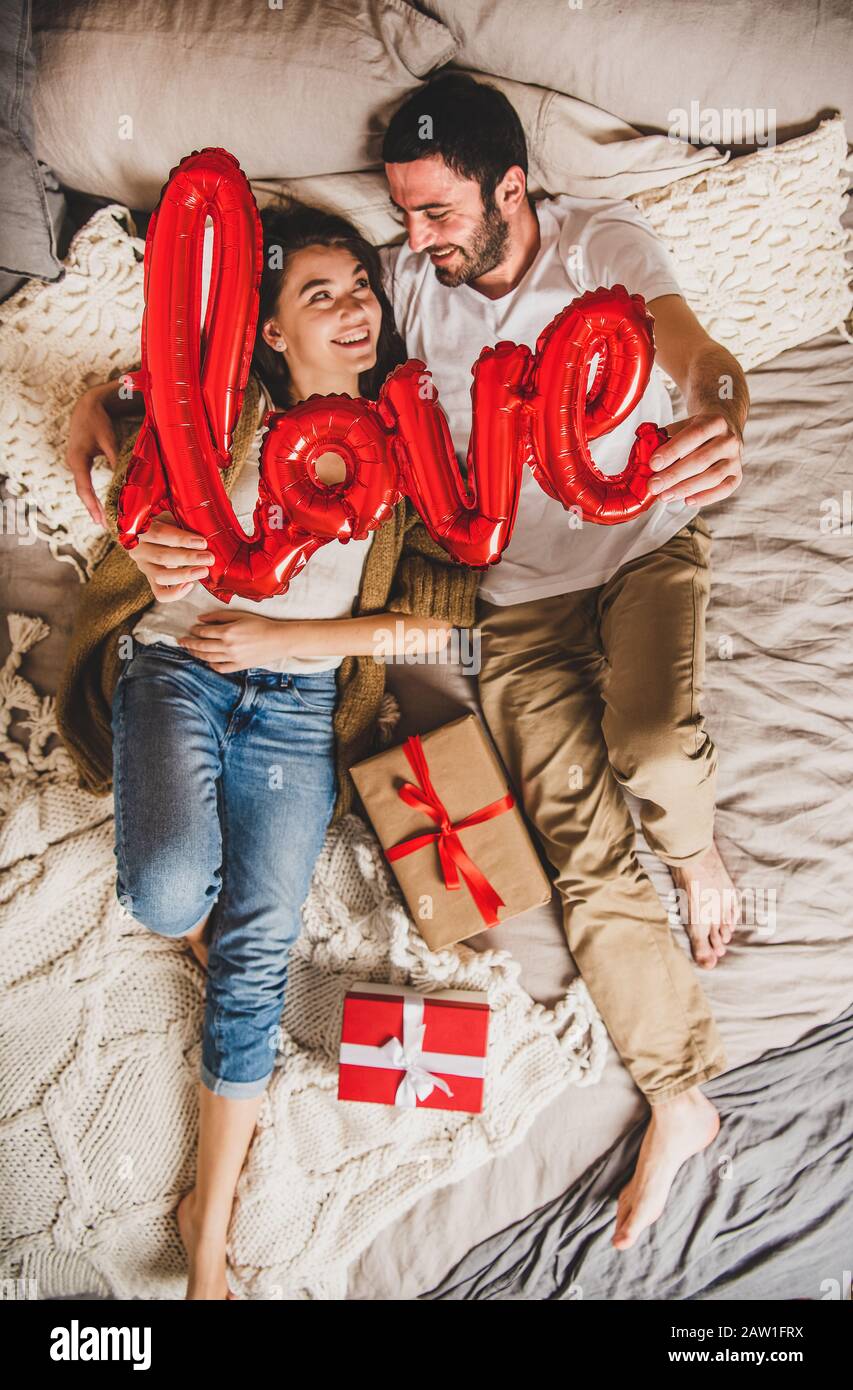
(713, 910)
(678, 1129)
(206, 1259)
(197, 943)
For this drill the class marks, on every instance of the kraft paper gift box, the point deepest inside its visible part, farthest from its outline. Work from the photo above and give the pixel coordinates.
(452, 832)
(412, 1050)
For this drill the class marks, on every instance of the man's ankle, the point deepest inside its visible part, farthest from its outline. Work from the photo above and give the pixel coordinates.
(692, 1095)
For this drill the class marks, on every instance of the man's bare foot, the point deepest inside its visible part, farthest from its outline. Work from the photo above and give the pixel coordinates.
(713, 910)
(206, 1264)
(197, 943)
(678, 1129)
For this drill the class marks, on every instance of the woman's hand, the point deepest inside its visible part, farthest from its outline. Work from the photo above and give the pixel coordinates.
(234, 641)
(171, 559)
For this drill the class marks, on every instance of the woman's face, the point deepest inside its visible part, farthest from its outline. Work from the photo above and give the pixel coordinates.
(327, 319)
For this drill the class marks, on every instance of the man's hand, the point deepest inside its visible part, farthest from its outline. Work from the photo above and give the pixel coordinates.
(90, 433)
(171, 559)
(701, 462)
(234, 641)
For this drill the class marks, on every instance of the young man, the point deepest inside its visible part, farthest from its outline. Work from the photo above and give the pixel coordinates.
(592, 639)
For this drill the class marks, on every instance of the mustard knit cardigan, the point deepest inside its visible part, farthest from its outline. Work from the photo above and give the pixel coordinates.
(405, 571)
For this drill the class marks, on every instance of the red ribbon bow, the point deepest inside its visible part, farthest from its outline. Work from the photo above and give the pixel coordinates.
(454, 859)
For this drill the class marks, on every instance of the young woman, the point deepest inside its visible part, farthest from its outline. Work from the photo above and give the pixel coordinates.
(223, 717)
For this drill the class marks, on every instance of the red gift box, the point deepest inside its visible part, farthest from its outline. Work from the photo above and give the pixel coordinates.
(405, 1048)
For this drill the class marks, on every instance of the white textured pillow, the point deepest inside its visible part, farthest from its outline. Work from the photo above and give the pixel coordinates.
(758, 243)
(55, 341)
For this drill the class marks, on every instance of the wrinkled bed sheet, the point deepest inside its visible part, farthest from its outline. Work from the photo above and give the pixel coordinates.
(779, 695)
(732, 1235)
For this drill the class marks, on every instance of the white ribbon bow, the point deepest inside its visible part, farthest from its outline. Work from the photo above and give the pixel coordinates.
(418, 1083)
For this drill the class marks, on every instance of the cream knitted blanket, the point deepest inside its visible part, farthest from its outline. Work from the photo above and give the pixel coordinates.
(101, 1026)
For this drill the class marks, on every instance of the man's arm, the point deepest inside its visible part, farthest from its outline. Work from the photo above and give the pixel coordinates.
(91, 434)
(702, 460)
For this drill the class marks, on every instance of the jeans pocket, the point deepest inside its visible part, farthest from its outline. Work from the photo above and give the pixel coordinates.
(319, 700)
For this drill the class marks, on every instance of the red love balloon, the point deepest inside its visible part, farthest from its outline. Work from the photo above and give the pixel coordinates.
(473, 527)
(526, 408)
(298, 438)
(614, 326)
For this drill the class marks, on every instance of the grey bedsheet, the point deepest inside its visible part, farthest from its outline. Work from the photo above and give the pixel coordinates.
(765, 1213)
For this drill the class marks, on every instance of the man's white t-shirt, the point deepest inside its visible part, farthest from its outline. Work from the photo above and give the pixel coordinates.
(585, 243)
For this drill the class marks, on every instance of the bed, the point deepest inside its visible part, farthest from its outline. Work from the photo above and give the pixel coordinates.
(520, 1206)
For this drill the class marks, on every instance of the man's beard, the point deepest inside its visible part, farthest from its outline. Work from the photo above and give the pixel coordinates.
(487, 249)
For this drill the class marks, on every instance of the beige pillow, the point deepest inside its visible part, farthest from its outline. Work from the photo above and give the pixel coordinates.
(125, 91)
(573, 148)
(758, 244)
(579, 149)
(646, 58)
(363, 198)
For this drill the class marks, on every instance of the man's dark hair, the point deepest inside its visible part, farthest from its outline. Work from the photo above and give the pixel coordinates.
(471, 125)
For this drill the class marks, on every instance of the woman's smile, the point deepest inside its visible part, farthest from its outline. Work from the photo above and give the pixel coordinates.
(354, 338)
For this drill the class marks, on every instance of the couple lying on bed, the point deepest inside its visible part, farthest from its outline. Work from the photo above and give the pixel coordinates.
(228, 729)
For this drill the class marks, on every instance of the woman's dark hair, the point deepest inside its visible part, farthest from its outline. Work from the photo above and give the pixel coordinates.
(471, 125)
(288, 227)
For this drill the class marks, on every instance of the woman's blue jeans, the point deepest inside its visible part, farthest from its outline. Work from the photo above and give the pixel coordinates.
(224, 787)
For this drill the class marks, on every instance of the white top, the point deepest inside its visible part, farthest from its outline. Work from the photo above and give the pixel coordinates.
(326, 587)
(585, 243)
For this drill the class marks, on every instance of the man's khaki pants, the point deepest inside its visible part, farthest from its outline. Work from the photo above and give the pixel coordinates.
(586, 693)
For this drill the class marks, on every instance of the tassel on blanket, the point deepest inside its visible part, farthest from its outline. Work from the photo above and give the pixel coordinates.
(17, 759)
(25, 631)
(387, 719)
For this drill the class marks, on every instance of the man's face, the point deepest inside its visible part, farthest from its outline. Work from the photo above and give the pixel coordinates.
(445, 218)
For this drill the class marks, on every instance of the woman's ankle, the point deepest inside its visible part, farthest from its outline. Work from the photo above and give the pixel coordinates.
(207, 1230)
